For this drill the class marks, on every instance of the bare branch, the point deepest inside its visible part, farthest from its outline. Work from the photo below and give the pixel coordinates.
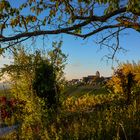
(15, 43)
(110, 35)
(118, 43)
(95, 31)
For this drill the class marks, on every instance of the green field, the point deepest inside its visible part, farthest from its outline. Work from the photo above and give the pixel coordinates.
(78, 91)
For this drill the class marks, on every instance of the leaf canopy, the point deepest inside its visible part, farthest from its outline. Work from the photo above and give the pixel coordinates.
(81, 18)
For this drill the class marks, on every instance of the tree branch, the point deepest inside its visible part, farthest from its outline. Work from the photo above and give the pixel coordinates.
(110, 35)
(68, 29)
(37, 33)
(10, 45)
(104, 17)
(95, 31)
(117, 43)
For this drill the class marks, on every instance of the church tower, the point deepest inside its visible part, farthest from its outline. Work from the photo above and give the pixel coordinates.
(97, 74)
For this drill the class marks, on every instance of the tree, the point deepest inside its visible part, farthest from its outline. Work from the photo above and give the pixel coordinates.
(49, 76)
(126, 80)
(21, 74)
(58, 60)
(35, 81)
(80, 18)
(42, 75)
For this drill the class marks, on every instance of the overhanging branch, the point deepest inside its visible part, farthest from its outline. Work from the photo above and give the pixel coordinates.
(104, 17)
(15, 43)
(95, 31)
(69, 30)
(37, 33)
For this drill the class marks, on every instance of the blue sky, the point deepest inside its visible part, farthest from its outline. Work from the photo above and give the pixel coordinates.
(85, 58)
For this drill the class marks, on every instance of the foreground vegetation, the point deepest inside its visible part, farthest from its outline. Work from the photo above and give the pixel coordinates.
(87, 117)
(44, 109)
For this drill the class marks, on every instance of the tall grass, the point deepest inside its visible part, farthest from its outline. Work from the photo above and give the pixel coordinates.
(91, 117)
(104, 121)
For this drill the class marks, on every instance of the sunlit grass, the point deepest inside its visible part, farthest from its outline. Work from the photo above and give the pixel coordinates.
(90, 116)
(78, 91)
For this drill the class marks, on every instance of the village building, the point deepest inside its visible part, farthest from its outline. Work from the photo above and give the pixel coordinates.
(96, 79)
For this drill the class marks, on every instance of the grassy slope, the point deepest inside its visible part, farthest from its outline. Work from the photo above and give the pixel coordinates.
(79, 91)
(99, 117)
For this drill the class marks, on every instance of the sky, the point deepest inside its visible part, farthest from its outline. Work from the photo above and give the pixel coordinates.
(85, 57)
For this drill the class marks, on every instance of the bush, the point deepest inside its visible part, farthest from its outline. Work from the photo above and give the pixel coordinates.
(126, 80)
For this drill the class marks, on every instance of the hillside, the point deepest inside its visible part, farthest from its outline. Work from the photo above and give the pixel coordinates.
(78, 90)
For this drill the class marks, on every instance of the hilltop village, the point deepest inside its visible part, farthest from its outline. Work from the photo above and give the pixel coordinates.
(96, 79)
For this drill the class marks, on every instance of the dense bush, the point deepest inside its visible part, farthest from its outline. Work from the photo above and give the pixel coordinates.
(126, 80)
(36, 80)
(44, 84)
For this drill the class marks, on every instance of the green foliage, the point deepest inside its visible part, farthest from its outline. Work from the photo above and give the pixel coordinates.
(34, 83)
(44, 83)
(58, 16)
(37, 7)
(49, 76)
(87, 117)
(58, 61)
(91, 116)
(96, 117)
